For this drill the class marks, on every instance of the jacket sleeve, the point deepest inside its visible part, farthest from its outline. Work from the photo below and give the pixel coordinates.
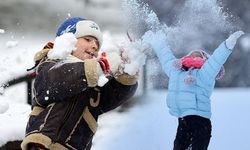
(214, 63)
(166, 58)
(56, 81)
(117, 91)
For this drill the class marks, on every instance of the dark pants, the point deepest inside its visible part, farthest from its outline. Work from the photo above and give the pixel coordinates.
(193, 133)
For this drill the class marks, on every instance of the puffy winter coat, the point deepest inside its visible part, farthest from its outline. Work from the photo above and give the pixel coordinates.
(192, 99)
(65, 107)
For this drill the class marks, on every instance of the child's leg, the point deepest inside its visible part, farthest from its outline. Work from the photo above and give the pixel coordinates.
(194, 132)
(201, 132)
(183, 136)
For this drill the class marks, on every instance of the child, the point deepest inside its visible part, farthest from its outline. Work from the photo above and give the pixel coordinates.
(67, 99)
(191, 81)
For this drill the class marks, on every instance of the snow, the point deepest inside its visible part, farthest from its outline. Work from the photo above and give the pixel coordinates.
(13, 122)
(4, 106)
(46, 98)
(2, 31)
(148, 125)
(133, 53)
(63, 46)
(11, 44)
(102, 80)
(69, 15)
(17, 58)
(192, 28)
(1, 89)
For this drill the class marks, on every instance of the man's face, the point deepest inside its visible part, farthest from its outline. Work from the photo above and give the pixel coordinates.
(86, 48)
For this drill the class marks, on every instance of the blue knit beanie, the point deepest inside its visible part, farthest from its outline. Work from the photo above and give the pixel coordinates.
(80, 27)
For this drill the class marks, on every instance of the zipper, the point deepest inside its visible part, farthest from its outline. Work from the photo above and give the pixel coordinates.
(65, 118)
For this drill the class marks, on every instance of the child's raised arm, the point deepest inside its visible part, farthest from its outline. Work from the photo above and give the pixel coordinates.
(158, 41)
(214, 63)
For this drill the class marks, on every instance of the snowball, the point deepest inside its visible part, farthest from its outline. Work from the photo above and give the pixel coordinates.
(114, 60)
(63, 46)
(134, 55)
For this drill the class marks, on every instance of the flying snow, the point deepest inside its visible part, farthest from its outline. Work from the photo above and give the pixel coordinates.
(195, 25)
(63, 46)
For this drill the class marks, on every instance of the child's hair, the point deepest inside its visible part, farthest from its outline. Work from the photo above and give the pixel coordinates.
(205, 56)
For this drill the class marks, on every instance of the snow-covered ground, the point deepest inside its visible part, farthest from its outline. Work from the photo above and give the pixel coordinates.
(148, 125)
